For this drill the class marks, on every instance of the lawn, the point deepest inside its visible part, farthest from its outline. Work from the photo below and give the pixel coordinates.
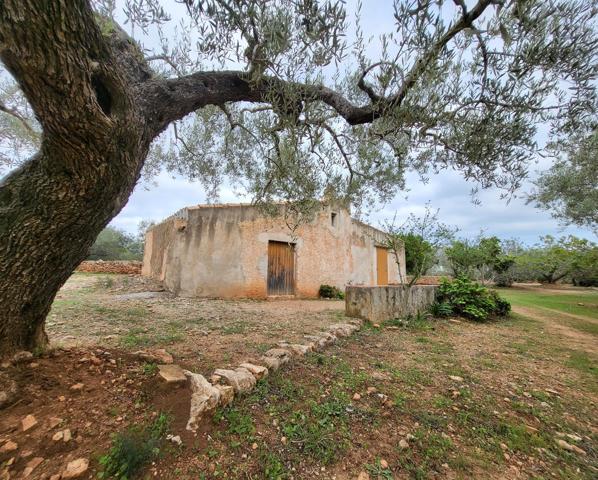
(585, 304)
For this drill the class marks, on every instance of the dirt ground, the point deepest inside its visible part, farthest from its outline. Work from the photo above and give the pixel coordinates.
(442, 399)
(132, 312)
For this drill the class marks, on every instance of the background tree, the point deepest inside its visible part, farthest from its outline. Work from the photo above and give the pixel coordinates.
(482, 259)
(463, 257)
(585, 271)
(569, 189)
(420, 237)
(115, 244)
(285, 100)
(551, 260)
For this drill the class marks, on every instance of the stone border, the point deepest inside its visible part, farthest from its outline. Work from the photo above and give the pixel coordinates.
(225, 384)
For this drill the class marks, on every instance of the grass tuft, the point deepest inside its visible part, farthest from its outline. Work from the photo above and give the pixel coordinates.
(133, 449)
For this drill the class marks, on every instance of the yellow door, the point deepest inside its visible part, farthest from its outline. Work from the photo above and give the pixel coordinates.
(382, 265)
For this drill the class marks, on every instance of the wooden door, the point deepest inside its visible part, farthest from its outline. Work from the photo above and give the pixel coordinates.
(281, 268)
(382, 265)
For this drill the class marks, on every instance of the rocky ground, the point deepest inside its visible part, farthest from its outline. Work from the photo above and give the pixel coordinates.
(420, 399)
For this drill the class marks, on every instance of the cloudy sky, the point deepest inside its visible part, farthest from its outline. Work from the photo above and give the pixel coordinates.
(446, 191)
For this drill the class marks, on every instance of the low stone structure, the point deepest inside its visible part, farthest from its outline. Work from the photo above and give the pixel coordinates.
(130, 267)
(377, 304)
(207, 395)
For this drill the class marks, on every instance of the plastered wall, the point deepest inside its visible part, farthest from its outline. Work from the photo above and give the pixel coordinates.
(222, 251)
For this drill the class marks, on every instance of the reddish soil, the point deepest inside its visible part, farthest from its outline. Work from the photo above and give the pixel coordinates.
(115, 394)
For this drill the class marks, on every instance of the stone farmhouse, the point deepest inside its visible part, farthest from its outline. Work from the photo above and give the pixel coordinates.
(235, 250)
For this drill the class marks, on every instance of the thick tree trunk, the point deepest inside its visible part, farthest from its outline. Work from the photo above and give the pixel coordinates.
(94, 143)
(48, 224)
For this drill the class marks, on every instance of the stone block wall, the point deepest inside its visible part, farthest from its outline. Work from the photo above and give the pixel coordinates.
(377, 304)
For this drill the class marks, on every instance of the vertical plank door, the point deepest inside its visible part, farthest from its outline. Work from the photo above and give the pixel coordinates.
(382, 265)
(281, 268)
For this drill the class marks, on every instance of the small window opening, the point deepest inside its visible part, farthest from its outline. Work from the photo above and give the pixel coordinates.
(333, 219)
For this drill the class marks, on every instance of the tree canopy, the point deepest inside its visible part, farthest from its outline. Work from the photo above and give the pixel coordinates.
(569, 189)
(454, 84)
(115, 244)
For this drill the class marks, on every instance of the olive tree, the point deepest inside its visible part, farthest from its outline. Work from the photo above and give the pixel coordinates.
(420, 237)
(283, 97)
(569, 188)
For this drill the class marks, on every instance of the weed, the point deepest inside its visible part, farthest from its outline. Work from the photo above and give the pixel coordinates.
(133, 449)
(351, 378)
(322, 431)
(272, 467)
(440, 401)
(136, 337)
(234, 328)
(582, 362)
(263, 347)
(399, 400)
(149, 369)
(377, 471)
(239, 423)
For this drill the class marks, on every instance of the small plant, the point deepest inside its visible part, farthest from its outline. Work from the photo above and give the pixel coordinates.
(133, 449)
(328, 291)
(320, 431)
(149, 368)
(239, 423)
(378, 471)
(469, 299)
(273, 468)
(441, 309)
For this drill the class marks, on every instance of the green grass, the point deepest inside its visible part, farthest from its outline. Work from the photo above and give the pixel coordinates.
(320, 432)
(582, 362)
(585, 304)
(238, 422)
(234, 328)
(272, 467)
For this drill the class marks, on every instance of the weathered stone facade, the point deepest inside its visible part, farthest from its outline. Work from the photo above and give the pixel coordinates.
(222, 251)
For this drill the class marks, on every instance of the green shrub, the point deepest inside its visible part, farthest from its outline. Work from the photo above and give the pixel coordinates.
(328, 291)
(469, 299)
(441, 309)
(133, 449)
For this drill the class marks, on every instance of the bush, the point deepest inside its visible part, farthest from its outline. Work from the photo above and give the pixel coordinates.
(328, 291)
(441, 309)
(469, 299)
(133, 449)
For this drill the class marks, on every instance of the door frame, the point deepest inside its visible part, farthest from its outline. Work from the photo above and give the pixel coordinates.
(293, 247)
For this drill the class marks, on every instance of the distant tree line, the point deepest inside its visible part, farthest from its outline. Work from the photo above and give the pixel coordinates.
(432, 247)
(551, 260)
(116, 244)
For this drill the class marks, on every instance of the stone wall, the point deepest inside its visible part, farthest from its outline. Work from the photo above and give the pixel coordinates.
(377, 304)
(112, 266)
